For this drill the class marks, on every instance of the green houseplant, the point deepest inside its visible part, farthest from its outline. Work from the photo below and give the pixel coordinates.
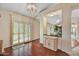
(58, 30)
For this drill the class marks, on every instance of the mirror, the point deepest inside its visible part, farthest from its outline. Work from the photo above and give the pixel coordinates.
(54, 23)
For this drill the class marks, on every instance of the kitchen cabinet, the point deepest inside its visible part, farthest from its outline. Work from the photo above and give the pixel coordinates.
(51, 42)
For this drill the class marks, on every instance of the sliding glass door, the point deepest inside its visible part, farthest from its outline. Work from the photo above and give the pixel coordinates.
(26, 31)
(15, 33)
(21, 33)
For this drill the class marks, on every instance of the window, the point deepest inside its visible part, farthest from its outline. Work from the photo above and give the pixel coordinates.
(21, 32)
(50, 29)
(15, 33)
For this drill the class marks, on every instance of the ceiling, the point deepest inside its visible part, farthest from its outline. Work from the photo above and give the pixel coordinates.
(21, 7)
(55, 17)
(75, 16)
(54, 20)
(75, 13)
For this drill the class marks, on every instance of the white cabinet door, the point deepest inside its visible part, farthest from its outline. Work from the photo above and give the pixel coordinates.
(60, 43)
(51, 44)
(47, 43)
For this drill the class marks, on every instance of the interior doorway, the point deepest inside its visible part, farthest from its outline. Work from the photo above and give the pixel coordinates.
(75, 28)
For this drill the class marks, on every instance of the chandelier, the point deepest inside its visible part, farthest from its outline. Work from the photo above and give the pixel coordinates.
(31, 9)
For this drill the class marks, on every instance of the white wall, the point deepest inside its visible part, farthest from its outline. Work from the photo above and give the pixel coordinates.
(5, 28)
(36, 29)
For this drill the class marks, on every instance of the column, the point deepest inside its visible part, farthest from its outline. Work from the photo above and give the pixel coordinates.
(45, 24)
(66, 29)
(43, 28)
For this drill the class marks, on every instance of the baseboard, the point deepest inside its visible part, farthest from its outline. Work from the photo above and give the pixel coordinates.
(31, 41)
(68, 52)
(65, 52)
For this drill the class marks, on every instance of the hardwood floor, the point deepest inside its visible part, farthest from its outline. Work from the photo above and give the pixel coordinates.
(33, 48)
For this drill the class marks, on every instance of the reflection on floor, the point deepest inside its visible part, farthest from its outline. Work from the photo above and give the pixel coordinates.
(33, 48)
(22, 50)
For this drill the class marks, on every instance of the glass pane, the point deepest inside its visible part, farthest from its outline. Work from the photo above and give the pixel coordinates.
(15, 27)
(15, 37)
(26, 29)
(26, 32)
(29, 32)
(15, 42)
(20, 28)
(21, 38)
(26, 37)
(48, 29)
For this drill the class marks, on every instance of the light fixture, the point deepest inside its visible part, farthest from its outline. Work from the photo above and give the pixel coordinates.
(31, 8)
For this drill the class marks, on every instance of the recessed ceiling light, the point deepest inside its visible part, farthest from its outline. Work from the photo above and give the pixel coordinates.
(52, 14)
(55, 13)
